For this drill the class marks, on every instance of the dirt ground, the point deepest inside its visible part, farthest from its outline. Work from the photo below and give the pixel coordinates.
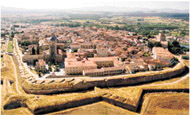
(99, 108)
(166, 103)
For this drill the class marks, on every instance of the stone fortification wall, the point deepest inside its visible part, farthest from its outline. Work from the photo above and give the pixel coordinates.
(82, 83)
(15, 101)
(32, 57)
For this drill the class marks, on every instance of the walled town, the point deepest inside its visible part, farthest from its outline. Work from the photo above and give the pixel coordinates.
(56, 62)
(73, 51)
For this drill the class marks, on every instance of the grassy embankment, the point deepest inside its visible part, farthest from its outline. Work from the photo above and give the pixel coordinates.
(10, 47)
(8, 71)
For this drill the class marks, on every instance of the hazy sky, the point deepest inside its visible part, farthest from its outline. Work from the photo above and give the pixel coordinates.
(69, 4)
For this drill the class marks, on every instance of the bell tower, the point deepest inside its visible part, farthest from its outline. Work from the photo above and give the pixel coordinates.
(53, 49)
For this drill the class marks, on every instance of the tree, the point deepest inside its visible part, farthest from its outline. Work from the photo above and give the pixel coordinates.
(146, 54)
(149, 36)
(33, 51)
(125, 48)
(49, 64)
(39, 73)
(182, 33)
(56, 67)
(25, 43)
(185, 57)
(185, 49)
(34, 62)
(75, 50)
(116, 27)
(174, 47)
(150, 44)
(139, 37)
(49, 68)
(12, 34)
(175, 43)
(38, 50)
(63, 50)
(2, 34)
(157, 44)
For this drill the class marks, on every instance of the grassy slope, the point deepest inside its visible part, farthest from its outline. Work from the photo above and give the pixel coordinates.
(8, 71)
(10, 47)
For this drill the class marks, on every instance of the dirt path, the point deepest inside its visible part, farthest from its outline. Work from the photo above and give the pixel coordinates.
(174, 82)
(16, 77)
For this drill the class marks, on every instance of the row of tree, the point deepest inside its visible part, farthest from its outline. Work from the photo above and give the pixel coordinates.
(153, 44)
(173, 46)
(34, 51)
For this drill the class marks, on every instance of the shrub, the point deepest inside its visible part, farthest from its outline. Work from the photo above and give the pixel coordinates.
(185, 57)
(75, 50)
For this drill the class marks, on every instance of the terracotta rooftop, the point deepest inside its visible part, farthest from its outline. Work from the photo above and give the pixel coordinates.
(80, 64)
(161, 52)
(41, 62)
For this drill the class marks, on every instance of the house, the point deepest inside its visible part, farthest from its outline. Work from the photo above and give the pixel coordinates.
(104, 71)
(41, 65)
(136, 65)
(102, 52)
(161, 37)
(77, 67)
(163, 55)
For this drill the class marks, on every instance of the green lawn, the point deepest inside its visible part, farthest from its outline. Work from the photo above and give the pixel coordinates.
(10, 47)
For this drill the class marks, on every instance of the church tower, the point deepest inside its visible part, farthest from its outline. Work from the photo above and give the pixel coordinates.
(161, 37)
(53, 49)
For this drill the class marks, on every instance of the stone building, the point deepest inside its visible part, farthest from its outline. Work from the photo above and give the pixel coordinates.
(104, 71)
(162, 54)
(50, 55)
(136, 67)
(53, 49)
(161, 37)
(41, 65)
(78, 65)
(87, 46)
(102, 52)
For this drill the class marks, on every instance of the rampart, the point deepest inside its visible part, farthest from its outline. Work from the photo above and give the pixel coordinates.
(15, 101)
(82, 83)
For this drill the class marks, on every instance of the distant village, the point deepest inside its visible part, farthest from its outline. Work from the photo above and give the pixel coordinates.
(90, 51)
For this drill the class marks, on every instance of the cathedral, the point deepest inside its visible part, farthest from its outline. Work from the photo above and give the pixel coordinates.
(52, 52)
(53, 49)
(54, 55)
